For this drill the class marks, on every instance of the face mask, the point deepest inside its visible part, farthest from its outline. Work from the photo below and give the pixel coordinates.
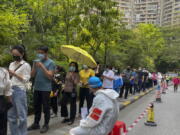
(40, 56)
(17, 58)
(72, 69)
(85, 67)
(106, 69)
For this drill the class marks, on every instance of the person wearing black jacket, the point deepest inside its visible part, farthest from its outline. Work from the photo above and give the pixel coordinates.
(57, 82)
(127, 77)
(145, 82)
(140, 79)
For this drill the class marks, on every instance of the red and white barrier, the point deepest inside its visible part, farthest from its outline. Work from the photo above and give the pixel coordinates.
(142, 115)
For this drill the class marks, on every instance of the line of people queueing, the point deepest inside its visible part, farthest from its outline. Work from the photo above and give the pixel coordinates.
(50, 81)
(14, 84)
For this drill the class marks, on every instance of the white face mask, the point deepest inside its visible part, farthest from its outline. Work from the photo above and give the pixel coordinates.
(106, 69)
(72, 69)
(85, 67)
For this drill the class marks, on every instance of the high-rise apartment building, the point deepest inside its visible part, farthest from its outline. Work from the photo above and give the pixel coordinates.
(126, 8)
(170, 12)
(147, 11)
(158, 12)
(176, 13)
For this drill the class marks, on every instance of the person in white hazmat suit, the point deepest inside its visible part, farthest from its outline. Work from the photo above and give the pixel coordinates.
(103, 113)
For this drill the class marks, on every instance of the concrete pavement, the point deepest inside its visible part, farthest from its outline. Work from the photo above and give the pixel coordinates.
(167, 115)
(56, 128)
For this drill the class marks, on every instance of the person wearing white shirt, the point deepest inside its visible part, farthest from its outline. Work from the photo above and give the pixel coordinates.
(5, 95)
(108, 77)
(20, 72)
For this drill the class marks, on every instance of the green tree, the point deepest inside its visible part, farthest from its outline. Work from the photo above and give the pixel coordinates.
(12, 25)
(147, 43)
(100, 26)
(169, 59)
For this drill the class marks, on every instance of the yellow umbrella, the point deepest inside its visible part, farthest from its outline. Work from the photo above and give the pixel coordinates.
(78, 55)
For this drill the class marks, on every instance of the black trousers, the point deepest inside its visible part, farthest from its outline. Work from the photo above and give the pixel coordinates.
(66, 98)
(175, 87)
(85, 94)
(144, 86)
(140, 85)
(3, 117)
(41, 101)
(125, 87)
(150, 83)
(133, 88)
(54, 104)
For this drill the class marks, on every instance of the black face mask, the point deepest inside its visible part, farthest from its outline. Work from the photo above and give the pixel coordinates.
(17, 58)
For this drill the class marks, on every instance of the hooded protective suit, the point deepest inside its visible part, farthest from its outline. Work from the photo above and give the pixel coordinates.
(103, 115)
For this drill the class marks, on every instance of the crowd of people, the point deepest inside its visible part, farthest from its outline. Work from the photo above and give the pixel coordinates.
(53, 86)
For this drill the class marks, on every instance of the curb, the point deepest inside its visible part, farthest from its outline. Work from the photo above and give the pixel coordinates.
(135, 98)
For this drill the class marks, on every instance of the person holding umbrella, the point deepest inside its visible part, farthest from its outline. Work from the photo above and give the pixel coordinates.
(70, 94)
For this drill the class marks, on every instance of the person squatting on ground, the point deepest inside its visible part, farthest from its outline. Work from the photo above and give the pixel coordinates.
(5, 99)
(20, 72)
(43, 72)
(69, 94)
(103, 113)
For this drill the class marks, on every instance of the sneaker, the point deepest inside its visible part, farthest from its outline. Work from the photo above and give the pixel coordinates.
(65, 120)
(44, 129)
(71, 122)
(33, 127)
(53, 115)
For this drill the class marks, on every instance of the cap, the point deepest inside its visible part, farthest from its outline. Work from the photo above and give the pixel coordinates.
(95, 82)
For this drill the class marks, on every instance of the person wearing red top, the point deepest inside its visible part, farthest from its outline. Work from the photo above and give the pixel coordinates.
(176, 82)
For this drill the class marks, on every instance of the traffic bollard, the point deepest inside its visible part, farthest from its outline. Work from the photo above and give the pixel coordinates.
(150, 120)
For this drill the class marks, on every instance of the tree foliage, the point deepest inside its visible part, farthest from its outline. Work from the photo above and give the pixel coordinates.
(169, 58)
(94, 25)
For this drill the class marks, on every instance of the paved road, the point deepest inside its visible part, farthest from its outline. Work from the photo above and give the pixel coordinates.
(167, 115)
(57, 128)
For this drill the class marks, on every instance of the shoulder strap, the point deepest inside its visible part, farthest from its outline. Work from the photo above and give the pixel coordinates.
(18, 67)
